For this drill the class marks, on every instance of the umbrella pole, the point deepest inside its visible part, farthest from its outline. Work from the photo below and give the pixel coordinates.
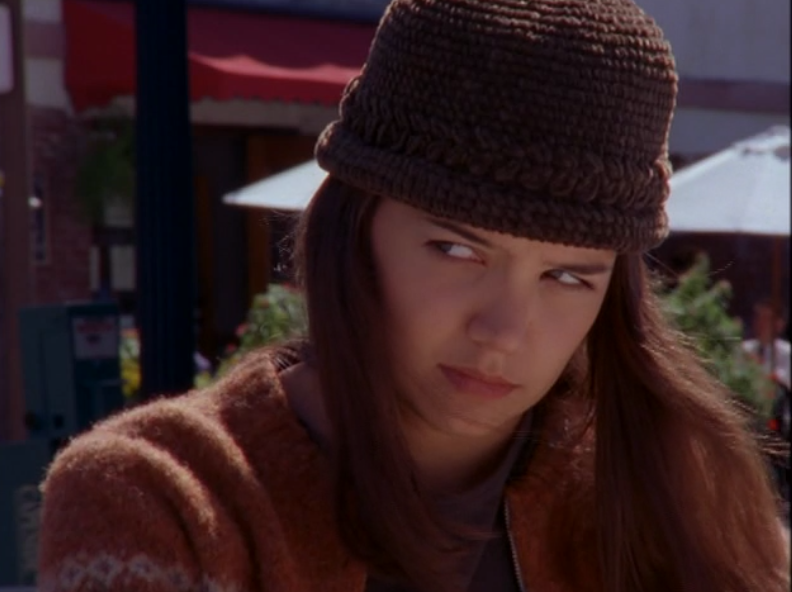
(776, 293)
(776, 276)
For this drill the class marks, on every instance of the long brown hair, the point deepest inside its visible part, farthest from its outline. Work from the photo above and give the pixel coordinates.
(680, 480)
(682, 496)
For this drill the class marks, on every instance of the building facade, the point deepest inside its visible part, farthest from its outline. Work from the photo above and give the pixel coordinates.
(251, 116)
(733, 58)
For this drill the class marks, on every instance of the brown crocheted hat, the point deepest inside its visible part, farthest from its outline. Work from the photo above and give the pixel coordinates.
(546, 119)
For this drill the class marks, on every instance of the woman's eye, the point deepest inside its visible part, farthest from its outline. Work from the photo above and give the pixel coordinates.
(455, 250)
(566, 278)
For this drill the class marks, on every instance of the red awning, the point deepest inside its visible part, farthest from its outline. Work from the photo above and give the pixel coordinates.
(232, 55)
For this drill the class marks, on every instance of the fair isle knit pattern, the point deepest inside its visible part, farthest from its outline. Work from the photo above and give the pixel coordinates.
(547, 119)
(223, 491)
(108, 572)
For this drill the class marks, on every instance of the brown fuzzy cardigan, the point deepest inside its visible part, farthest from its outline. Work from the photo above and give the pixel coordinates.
(222, 490)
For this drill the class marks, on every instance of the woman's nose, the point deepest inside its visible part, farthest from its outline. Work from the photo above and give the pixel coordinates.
(502, 320)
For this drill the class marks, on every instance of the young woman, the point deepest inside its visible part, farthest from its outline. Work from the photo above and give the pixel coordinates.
(489, 397)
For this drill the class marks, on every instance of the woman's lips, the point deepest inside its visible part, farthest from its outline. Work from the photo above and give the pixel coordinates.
(470, 382)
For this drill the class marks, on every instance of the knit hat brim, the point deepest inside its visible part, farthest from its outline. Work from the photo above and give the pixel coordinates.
(465, 197)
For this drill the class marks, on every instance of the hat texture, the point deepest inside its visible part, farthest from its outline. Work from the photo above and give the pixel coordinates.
(546, 119)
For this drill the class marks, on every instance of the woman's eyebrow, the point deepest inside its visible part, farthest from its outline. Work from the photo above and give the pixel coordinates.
(581, 268)
(460, 230)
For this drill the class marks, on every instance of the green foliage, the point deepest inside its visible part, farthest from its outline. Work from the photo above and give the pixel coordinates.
(107, 171)
(275, 316)
(698, 308)
(129, 358)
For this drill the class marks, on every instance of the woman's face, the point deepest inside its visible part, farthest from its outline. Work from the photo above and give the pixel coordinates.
(480, 324)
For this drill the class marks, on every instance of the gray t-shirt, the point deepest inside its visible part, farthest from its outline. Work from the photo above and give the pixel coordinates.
(490, 567)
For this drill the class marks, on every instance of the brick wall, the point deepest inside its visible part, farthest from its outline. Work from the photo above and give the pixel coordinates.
(56, 143)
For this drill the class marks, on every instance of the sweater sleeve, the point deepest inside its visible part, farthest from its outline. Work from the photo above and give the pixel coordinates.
(113, 519)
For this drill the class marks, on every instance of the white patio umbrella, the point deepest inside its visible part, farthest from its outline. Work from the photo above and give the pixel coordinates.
(290, 190)
(744, 189)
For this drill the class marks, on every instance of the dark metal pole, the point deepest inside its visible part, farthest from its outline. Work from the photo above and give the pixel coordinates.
(165, 207)
(16, 275)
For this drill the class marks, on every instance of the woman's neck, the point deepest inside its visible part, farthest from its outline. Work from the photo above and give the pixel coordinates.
(446, 463)
(453, 464)
(301, 386)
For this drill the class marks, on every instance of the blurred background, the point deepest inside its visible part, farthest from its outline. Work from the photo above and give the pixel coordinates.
(154, 157)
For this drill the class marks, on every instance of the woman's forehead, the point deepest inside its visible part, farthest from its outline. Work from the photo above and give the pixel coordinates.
(399, 216)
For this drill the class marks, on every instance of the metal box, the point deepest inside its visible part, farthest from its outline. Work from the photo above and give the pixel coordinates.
(72, 376)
